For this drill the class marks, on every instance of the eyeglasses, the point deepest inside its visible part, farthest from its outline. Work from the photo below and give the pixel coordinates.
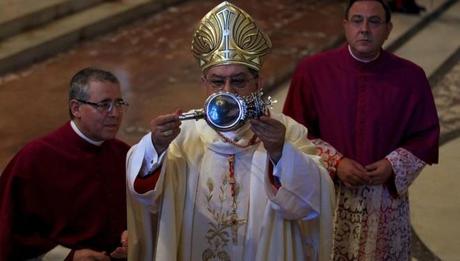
(237, 82)
(373, 22)
(106, 106)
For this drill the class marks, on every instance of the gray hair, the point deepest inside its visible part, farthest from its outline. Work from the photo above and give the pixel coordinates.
(79, 83)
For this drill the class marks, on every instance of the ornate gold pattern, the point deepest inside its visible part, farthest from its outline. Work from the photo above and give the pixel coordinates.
(226, 222)
(228, 35)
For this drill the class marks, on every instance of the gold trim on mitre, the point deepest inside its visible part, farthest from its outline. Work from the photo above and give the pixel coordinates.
(228, 35)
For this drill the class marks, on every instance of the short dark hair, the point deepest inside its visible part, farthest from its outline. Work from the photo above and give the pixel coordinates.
(382, 2)
(79, 83)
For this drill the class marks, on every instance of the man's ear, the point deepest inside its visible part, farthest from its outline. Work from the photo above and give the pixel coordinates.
(75, 108)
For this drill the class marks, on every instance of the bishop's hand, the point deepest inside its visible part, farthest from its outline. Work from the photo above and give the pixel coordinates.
(271, 132)
(165, 129)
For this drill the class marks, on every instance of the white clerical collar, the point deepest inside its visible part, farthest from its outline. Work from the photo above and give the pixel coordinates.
(362, 60)
(75, 128)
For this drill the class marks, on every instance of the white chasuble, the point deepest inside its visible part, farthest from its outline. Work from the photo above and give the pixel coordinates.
(220, 217)
(214, 201)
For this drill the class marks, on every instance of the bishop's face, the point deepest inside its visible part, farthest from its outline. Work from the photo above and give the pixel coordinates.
(234, 78)
(366, 28)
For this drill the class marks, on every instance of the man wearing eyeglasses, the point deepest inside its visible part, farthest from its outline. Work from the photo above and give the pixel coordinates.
(63, 195)
(254, 193)
(373, 118)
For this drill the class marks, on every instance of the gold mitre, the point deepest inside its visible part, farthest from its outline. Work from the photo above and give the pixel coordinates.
(228, 35)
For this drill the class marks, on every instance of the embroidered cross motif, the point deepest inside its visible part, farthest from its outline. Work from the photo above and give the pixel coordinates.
(225, 220)
(234, 224)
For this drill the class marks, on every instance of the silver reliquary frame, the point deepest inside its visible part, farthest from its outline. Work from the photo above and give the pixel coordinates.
(226, 111)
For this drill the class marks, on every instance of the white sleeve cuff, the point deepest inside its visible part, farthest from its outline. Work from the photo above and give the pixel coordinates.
(298, 196)
(151, 158)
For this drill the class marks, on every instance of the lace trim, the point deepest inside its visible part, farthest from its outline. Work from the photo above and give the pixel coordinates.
(406, 167)
(330, 157)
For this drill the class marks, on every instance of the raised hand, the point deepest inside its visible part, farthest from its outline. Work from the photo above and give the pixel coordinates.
(271, 132)
(165, 129)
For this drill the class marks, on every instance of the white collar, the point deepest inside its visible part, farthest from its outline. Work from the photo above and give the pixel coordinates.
(362, 60)
(75, 128)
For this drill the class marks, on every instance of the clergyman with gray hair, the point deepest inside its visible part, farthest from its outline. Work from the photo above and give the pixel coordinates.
(63, 195)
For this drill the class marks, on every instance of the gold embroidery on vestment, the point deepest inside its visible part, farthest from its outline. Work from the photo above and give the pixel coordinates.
(223, 218)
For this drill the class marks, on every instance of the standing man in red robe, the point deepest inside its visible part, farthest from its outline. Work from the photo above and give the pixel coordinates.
(62, 197)
(372, 116)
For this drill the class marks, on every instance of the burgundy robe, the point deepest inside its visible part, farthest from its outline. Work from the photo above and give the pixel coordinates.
(62, 190)
(367, 112)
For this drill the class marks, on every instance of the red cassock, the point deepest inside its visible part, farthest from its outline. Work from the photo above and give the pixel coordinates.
(365, 110)
(62, 190)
